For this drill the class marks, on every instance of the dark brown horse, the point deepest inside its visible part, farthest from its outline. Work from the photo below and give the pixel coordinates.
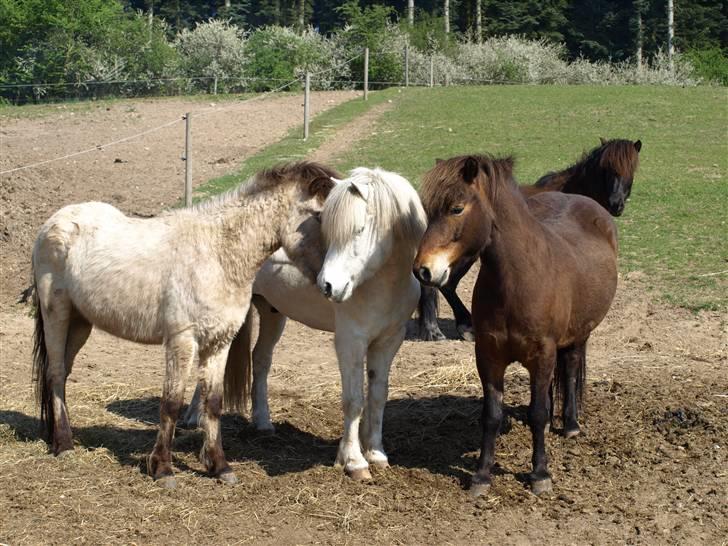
(605, 174)
(547, 278)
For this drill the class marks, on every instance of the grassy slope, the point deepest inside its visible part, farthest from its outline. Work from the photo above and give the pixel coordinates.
(676, 224)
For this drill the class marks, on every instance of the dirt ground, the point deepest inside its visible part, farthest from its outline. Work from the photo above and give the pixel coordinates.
(649, 468)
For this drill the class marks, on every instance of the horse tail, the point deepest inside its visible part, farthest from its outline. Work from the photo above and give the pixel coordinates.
(427, 308)
(43, 394)
(238, 369)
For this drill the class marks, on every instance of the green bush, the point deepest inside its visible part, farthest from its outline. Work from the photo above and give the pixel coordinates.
(78, 42)
(372, 27)
(709, 64)
(276, 55)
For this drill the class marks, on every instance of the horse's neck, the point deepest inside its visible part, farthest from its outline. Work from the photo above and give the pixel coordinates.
(517, 240)
(574, 179)
(249, 233)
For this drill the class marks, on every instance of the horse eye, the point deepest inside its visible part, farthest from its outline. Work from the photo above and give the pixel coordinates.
(458, 209)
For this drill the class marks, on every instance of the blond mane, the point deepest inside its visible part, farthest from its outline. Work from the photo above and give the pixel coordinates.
(392, 203)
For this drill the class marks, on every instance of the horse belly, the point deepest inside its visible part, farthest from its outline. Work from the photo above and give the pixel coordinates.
(292, 294)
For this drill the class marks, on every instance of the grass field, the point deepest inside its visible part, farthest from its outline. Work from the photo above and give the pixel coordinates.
(675, 227)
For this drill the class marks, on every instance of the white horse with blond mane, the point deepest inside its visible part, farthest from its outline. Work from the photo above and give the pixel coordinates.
(371, 225)
(182, 279)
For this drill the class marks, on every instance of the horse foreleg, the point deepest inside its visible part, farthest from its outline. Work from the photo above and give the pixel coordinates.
(271, 328)
(212, 454)
(427, 307)
(463, 320)
(539, 411)
(491, 376)
(350, 351)
(379, 360)
(180, 352)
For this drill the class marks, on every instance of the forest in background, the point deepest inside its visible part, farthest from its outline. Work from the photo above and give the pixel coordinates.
(87, 48)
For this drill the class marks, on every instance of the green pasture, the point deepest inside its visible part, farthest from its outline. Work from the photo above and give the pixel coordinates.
(675, 228)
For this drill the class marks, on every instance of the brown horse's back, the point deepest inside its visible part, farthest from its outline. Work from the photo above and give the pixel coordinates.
(585, 237)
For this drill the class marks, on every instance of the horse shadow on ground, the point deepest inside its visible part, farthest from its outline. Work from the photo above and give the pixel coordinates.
(439, 434)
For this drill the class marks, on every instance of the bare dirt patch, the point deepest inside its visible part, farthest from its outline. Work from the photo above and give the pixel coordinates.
(649, 468)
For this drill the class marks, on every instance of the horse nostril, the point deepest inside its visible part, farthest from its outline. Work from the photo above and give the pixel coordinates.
(327, 290)
(425, 274)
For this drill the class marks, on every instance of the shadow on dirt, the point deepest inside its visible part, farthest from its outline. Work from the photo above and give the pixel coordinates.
(440, 434)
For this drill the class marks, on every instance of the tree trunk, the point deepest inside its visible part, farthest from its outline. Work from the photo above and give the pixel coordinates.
(478, 21)
(446, 15)
(638, 53)
(301, 14)
(411, 12)
(227, 4)
(670, 32)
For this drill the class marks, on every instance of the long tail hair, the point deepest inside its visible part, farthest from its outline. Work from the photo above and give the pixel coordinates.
(43, 394)
(427, 306)
(559, 384)
(239, 368)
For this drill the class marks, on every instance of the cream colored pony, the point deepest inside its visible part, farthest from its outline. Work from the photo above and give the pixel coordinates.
(372, 223)
(182, 279)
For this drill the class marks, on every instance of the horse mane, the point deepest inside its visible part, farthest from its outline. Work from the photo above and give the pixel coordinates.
(619, 155)
(266, 180)
(392, 203)
(443, 185)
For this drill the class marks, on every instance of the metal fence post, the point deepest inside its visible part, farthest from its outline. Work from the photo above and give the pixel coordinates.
(306, 105)
(406, 66)
(366, 72)
(432, 71)
(188, 159)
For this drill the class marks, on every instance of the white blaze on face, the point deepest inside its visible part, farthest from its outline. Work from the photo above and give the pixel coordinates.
(439, 266)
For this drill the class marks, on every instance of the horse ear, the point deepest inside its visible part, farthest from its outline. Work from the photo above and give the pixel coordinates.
(638, 145)
(362, 188)
(470, 169)
(321, 186)
(603, 140)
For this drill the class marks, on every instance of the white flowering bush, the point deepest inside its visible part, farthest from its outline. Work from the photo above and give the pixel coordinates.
(214, 50)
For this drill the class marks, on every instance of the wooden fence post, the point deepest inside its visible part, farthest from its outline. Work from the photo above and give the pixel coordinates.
(188, 160)
(432, 71)
(366, 72)
(306, 105)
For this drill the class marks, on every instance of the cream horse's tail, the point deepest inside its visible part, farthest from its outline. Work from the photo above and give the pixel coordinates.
(239, 368)
(43, 393)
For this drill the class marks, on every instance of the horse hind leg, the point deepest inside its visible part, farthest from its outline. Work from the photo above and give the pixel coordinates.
(53, 320)
(569, 382)
(272, 323)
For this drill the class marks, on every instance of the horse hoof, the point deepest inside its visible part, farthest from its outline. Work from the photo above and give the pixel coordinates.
(539, 487)
(572, 432)
(228, 478)
(478, 489)
(360, 474)
(377, 458)
(466, 333)
(65, 453)
(265, 430)
(432, 335)
(166, 482)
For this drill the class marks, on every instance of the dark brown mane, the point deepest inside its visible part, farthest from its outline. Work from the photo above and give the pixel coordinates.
(442, 185)
(618, 156)
(293, 171)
